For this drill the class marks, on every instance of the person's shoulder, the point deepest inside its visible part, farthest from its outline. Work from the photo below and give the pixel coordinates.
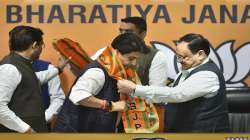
(96, 69)
(94, 73)
(8, 67)
(160, 56)
(9, 70)
(161, 53)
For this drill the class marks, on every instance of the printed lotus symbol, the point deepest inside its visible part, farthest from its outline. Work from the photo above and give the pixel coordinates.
(235, 65)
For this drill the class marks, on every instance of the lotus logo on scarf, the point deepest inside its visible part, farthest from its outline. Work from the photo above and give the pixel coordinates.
(235, 64)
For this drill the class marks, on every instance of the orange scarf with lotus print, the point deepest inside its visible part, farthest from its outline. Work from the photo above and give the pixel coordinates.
(140, 117)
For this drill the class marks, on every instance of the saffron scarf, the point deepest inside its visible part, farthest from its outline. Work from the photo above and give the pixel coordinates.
(69, 48)
(140, 117)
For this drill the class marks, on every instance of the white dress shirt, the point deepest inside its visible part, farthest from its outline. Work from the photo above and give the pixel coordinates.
(158, 71)
(203, 83)
(10, 79)
(89, 84)
(56, 94)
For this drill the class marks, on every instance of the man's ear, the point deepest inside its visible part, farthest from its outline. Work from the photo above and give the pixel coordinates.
(202, 55)
(119, 55)
(143, 34)
(33, 46)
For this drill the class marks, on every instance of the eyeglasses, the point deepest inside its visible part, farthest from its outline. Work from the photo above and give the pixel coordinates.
(180, 58)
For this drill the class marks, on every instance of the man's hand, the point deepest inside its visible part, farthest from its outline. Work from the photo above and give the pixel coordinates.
(29, 131)
(62, 62)
(126, 87)
(53, 121)
(119, 106)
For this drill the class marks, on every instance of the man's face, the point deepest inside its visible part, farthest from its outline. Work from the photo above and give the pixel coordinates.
(131, 28)
(129, 59)
(37, 50)
(186, 57)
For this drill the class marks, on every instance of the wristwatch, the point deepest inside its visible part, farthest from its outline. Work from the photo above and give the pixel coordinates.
(109, 106)
(60, 70)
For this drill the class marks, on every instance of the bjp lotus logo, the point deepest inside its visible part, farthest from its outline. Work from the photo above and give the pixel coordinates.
(235, 64)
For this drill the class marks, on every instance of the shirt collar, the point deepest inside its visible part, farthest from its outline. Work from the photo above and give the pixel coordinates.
(26, 59)
(190, 69)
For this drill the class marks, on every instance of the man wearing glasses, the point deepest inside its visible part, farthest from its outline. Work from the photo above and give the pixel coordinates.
(197, 100)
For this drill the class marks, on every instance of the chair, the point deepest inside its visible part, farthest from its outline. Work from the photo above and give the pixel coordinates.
(239, 109)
